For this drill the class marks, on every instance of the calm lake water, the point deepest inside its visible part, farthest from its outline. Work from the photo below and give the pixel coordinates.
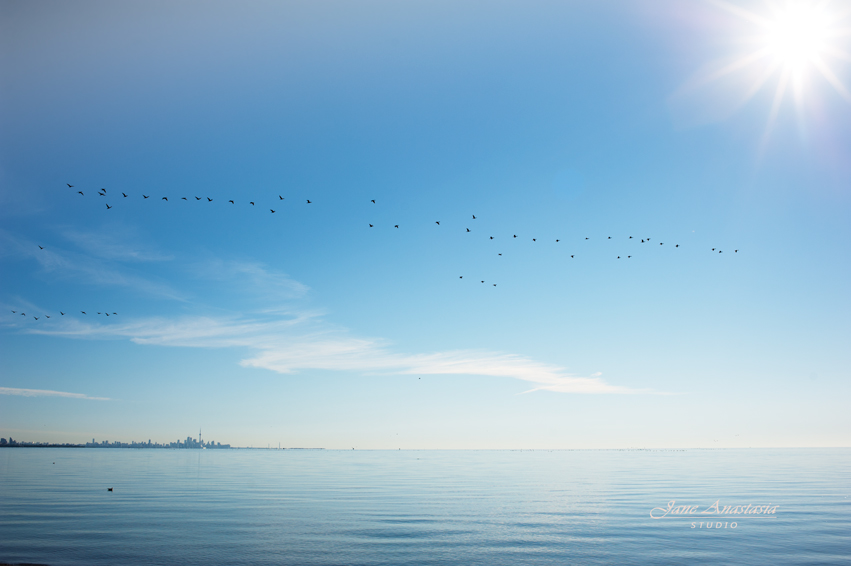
(186, 507)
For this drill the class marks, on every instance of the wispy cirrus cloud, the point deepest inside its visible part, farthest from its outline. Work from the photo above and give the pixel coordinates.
(47, 393)
(302, 342)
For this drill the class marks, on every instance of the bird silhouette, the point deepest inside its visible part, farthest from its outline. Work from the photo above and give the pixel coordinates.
(515, 235)
(41, 248)
(629, 256)
(209, 199)
(104, 190)
(571, 256)
(35, 317)
(70, 186)
(713, 249)
(370, 225)
(661, 243)
(437, 222)
(630, 237)
(494, 284)
(125, 195)
(273, 212)
(165, 199)
(101, 194)
(197, 198)
(610, 237)
(308, 201)
(99, 313)
(397, 225)
(474, 217)
(183, 198)
(108, 207)
(107, 314)
(619, 257)
(500, 254)
(586, 238)
(556, 241)
(468, 229)
(146, 196)
(373, 202)
(230, 201)
(735, 251)
(534, 240)
(642, 241)
(648, 239)
(23, 314)
(84, 312)
(62, 313)
(81, 192)
(280, 197)
(462, 277)
(491, 237)
(115, 313)
(252, 204)
(47, 315)
(720, 252)
(676, 246)
(482, 281)
(14, 312)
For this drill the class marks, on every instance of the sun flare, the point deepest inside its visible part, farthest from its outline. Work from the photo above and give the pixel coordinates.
(797, 35)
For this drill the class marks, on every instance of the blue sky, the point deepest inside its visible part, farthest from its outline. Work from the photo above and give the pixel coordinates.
(550, 120)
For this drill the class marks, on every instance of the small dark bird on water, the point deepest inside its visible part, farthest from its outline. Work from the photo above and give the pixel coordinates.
(500, 254)
(108, 207)
(273, 212)
(146, 196)
(81, 192)
(99, 313)
(661, 243)
(70, 186)
(713, 249)
(629, 256)
(482, 281)
(642, 241)
(630, 237)
(125, 195)
(494, 284)
(165, 199)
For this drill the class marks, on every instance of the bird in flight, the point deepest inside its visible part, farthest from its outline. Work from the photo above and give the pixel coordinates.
(534, 240)
(610, 237)
(273, 212)
(630, 237)
(101, 194)
(35, 317)
(62, 313)
(491, 237)
(468, 229)
(500, 254)
(230, 201)
(397, 225)
(84, 312)
(370, 225)
(586, 238)
(108, 207)
(280, 197)
(125, 195)
(308, 201)
(165, 199)
(47, 315)
(252, 204)
(99, 313)
(14, 312)
(41, 248)
(209, 199)
(515, 235)
(736, 251)
(373, 201)
(70, 186)
(23, 314)
(197, 198)
(474, 217)
(146, 196)
(183, 198)
(676, 246)
(571, 256)
(81, 192)
(556, 241)
(107, 314)
(115, 313)
(437, 222)
(462, 277)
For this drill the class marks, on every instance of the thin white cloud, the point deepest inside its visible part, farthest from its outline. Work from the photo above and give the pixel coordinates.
(47, 393)
(111, 246)
(302, 342)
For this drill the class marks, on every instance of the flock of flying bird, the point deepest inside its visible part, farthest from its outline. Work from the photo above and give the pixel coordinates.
(61, 313)
(102, 192)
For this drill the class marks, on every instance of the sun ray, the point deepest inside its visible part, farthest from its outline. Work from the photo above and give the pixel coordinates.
(775, 108)
(831, 78)
(741, 12)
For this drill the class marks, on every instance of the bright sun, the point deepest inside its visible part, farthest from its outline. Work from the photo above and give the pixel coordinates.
(797, 35)
(791, 41)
